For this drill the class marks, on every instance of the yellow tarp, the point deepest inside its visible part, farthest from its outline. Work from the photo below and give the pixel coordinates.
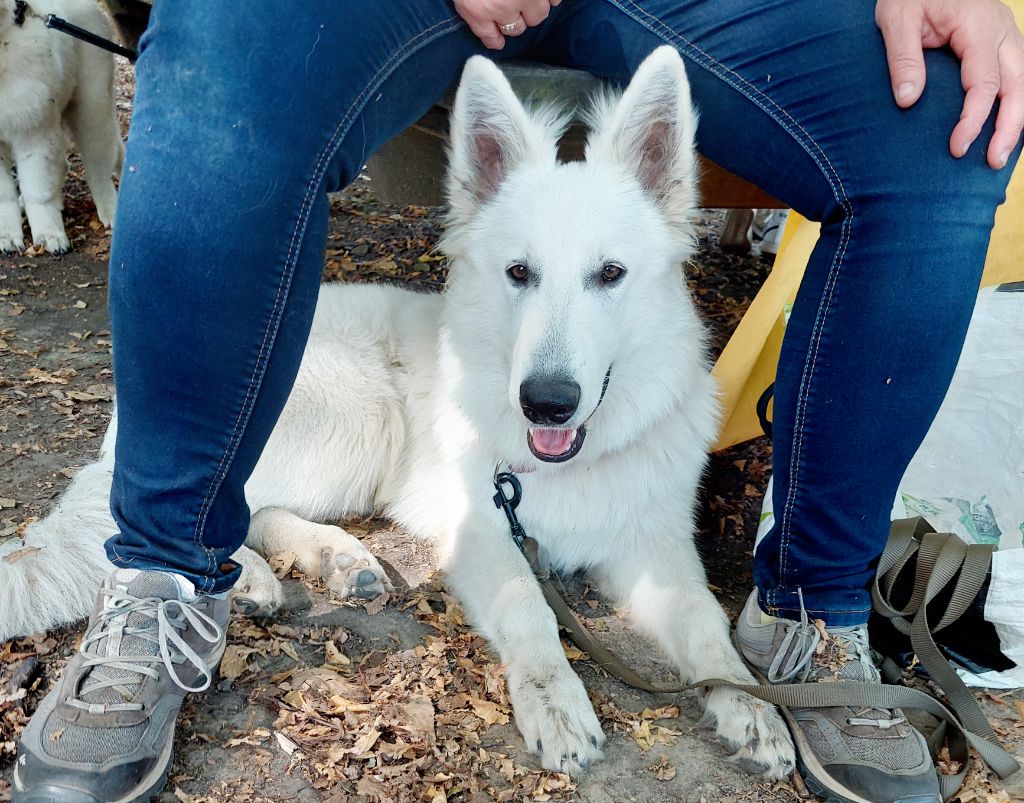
(747, 365)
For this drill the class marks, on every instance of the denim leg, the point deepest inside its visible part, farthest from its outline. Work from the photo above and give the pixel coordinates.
(243, 120)
(795, 96)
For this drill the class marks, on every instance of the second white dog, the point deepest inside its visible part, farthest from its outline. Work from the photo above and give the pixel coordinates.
(566, 347)
(49, 81)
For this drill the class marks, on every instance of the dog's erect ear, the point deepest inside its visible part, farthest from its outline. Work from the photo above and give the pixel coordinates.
(650, 131)
(491, 135)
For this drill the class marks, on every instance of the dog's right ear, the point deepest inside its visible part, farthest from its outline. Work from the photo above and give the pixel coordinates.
(491, 135)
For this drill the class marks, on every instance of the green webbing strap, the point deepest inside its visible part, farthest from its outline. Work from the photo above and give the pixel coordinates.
(940, 558)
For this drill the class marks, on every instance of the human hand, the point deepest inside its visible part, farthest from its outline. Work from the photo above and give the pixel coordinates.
(985, 38)
(493, 20)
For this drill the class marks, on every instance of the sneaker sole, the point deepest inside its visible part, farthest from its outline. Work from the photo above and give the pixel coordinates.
(148, 788)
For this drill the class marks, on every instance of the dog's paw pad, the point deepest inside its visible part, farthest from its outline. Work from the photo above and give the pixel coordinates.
(350, 575)
(248, 603)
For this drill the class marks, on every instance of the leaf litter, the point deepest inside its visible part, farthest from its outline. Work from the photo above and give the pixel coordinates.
(360, 722)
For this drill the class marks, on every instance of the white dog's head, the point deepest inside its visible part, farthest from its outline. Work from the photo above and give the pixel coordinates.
(566, 293)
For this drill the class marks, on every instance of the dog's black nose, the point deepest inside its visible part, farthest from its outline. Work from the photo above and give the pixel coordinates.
(549, 400)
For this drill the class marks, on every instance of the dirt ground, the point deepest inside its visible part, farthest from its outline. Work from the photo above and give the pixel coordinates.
(347, 702)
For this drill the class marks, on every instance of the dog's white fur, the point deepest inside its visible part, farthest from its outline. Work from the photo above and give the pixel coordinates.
(49, 81)
(405, 404)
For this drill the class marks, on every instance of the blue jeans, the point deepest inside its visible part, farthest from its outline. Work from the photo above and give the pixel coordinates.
(244, 122)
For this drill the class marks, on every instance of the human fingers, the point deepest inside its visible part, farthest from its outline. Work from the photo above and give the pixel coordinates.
(535, 11)
(1010, 120)
(516, 27)
(901, 24)
(480, 23)
(980, 76)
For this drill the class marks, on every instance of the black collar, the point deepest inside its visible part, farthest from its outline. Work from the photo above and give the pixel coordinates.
(20, 10)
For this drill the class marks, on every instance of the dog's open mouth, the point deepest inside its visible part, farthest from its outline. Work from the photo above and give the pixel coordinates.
(555, 445)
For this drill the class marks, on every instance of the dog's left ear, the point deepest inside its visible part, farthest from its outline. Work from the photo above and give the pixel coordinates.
(491, 135)
(650, 132)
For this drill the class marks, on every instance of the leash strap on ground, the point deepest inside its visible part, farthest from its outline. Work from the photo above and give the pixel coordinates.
(940, 558)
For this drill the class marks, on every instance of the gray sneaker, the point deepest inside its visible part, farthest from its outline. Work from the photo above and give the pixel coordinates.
(106, 731)
(852, 755)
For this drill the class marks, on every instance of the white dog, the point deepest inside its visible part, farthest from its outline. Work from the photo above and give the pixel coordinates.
(566, 348)
(47, 81)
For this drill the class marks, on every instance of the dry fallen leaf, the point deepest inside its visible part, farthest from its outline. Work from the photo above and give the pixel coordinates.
(281, 563)
(235, 661)
(663, 770)
(490, 713)
(18, 554)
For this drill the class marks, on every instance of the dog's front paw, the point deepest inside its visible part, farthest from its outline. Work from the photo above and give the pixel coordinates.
(754, 730)
(351, 570)
(11, 242)
(54, 242)
(556, 720)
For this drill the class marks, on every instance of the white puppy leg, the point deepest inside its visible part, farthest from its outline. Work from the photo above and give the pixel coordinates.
(552, 711)
(93, 125)
(11, 236)
(258, 592)
(321, 550)
(669, 601)
(42, 167)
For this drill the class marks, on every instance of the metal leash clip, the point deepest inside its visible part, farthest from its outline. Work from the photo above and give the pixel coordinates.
(527, 545)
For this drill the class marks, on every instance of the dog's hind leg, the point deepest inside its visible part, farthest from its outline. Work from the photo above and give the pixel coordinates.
(93, 124)
(11, 235)
(321, 550)
(668, 600)
(42, 167)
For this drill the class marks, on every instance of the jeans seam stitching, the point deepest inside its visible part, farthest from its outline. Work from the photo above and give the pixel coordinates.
(270, 332)
(817, 610)
(835, 181)
(831, 175)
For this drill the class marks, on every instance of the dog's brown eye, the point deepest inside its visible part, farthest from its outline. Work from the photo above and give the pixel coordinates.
(612, 273)
(518, 273)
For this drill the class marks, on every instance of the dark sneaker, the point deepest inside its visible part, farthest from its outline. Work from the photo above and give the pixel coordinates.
(852, 755)
(106, 731)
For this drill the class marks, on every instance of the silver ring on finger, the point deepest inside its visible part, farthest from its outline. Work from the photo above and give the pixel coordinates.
(511, 27)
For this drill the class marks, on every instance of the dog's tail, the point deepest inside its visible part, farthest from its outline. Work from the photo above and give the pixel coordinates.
(52, 577)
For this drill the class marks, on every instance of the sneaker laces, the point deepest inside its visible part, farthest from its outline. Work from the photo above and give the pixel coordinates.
(794, 662)
(162, 631)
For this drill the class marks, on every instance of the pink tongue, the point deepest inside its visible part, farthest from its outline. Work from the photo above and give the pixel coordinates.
(552, 442)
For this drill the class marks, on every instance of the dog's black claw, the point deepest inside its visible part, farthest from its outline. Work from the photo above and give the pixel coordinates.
(593, 740)
(751, 766)
(540, 746)
(243, 606)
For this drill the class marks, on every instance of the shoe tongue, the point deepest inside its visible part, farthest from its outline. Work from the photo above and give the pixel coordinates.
(155, 584)
(142, 585)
